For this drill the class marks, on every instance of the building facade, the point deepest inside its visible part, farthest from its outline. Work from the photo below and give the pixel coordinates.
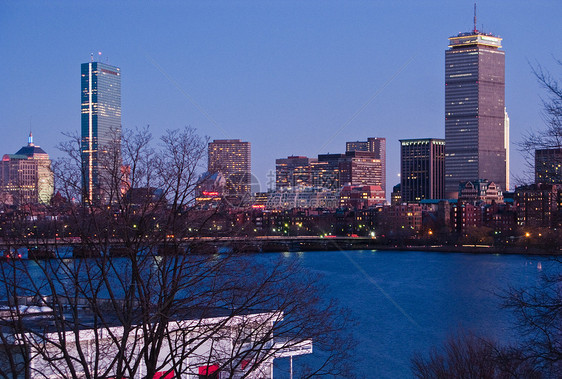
(361, 168)
(480, 191)
(219, 346)
(475, 130)
(375, 145)
(422, 169)
(548, 166)
(101, 130)
(233, 159)
(539, 205)
(294, 171)
(361, 197)
(329, 171)
(27, 176)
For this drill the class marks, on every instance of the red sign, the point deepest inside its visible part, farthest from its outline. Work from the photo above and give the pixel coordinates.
(164, 375)
(208, 370)
(211, 194)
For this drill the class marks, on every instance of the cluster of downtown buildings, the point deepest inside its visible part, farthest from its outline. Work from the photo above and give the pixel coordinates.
(459, 182)
(467, 169)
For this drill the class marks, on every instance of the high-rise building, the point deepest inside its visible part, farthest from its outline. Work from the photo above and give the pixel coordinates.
(548, 166)
(474, 110)
(422, 169)
(301, 172)
(539, 205)
(375, 145)
(232, 158)
(361, 168)
(101, 130)
(506, 145)
(27, 176)
(294, 171)
(330, 171)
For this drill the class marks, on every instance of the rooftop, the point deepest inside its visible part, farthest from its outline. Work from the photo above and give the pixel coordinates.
(474, 38)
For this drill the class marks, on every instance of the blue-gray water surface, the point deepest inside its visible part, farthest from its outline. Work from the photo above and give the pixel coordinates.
(407, 302)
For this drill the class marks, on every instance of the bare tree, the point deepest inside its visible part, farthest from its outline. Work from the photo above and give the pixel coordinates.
(468, 356)
(132, 291)
(539, 308)
(550, 137)
(539, 319)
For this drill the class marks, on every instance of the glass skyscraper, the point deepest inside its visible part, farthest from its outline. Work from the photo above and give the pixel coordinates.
(101, 127)
(421, 169)
(474, 110)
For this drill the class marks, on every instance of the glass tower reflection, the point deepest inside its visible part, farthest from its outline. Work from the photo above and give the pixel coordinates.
(101, 125)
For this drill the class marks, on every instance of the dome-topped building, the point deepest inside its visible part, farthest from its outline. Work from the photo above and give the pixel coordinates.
(27, 175)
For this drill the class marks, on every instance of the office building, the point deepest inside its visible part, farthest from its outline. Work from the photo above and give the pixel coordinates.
(329, 171)
(539, 205)
(475, 130)
(232, 158)
(548, 166)
(27, 176)
(294, 171)
(353, 168)
(361, 168)
(101, 131)
(506, 145)
(361, 197)
(375, 145)
(422, 169)
(297, 198)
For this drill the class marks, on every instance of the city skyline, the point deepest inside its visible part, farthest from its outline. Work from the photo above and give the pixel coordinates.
(316, 76)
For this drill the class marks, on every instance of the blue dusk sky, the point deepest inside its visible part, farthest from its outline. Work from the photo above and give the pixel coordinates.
(291, 77)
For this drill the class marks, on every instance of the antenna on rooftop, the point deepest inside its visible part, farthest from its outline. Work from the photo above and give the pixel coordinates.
(475, 30)
(30, 138)
(91, 57)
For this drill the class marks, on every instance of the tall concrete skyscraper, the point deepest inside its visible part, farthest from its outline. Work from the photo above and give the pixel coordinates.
(101, 129)
(233, 159)
(422, 169)
(474, 110)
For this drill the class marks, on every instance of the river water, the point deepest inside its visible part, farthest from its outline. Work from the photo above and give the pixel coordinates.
(407, 302)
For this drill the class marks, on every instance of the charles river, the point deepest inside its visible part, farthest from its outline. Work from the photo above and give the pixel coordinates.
(407, 302)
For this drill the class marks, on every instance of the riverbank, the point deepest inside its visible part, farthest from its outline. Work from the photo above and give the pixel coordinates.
(363, 244)
(266, 244)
